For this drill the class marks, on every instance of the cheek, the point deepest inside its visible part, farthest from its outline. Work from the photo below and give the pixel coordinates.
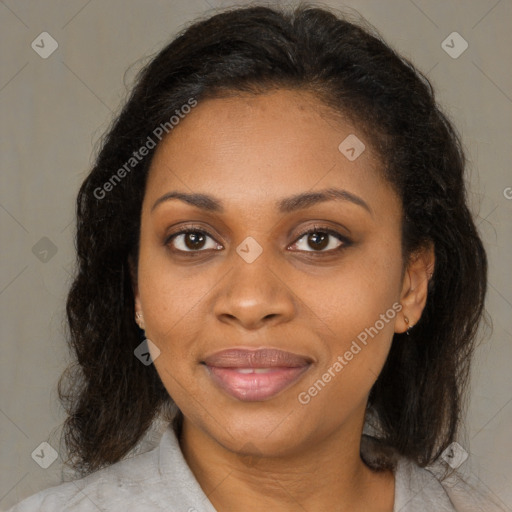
(359, 303)
(353, 295)
(172, 313)
(169, 293)
(172, 305)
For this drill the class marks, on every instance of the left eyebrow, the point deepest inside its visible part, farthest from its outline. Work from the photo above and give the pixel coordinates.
(286, 205)
(308, 199)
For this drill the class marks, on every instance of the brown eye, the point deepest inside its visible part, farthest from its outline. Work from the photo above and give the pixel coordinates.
(192, 241)
(318, 240)
(321, 240)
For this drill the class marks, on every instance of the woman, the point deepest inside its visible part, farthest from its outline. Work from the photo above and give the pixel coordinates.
(275, 254)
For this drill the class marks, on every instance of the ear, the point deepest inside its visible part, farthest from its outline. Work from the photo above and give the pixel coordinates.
(415, 287)
(133, 275)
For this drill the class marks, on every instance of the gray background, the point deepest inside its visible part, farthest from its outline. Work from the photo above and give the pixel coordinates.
(54, 110)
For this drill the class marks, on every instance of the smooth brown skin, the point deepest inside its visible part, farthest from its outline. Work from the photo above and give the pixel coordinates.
(250, 152)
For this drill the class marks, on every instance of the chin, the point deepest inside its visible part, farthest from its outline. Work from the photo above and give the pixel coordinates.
(275, 432)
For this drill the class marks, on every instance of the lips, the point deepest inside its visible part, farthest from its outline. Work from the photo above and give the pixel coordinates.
(255, 375)
(261, 358)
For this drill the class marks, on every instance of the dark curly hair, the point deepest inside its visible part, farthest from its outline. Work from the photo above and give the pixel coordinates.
(110, 397)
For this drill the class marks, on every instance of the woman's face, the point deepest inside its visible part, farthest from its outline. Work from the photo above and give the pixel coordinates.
(246, 276)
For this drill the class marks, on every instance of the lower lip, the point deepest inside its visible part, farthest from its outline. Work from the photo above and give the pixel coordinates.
(253, 387)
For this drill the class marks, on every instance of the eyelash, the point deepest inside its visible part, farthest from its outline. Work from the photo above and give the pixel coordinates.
(316, 229)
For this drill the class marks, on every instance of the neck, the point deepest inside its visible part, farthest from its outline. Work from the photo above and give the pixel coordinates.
(325, 475)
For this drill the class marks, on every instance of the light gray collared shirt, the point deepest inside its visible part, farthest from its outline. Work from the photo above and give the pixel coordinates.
(161, 480)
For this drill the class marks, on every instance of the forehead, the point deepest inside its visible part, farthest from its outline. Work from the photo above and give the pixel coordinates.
(252, 147)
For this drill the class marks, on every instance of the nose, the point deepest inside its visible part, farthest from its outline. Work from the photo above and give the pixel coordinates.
(253, 295)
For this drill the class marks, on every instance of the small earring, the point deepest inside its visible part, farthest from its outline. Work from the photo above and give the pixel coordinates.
(138, 319)
(406, 320)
